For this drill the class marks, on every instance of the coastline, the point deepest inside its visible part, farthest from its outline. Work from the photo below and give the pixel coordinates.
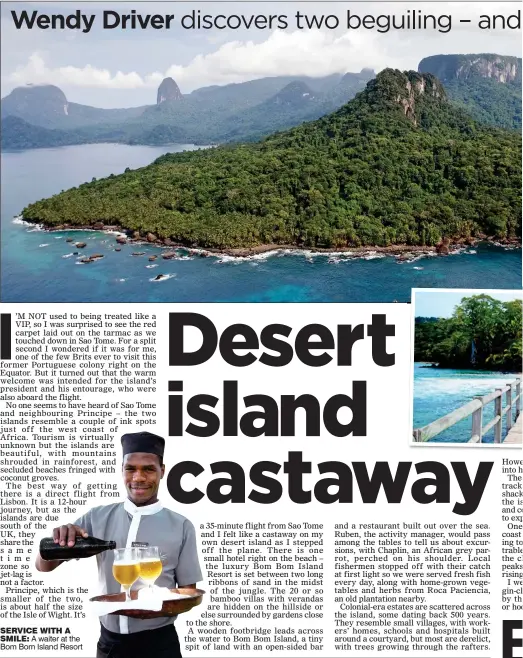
(434, 365)
(400, 252)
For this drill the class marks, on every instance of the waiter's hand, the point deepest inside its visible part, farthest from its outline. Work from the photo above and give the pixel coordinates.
(67, 534)
(64, 535)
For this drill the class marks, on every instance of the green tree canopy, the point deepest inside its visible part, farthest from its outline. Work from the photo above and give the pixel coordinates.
(483, 333)
(396, 165)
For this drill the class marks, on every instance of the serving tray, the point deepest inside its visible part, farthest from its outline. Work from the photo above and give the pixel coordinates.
(169, 608)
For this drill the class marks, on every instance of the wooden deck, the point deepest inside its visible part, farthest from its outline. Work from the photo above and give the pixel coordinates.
(514, 434)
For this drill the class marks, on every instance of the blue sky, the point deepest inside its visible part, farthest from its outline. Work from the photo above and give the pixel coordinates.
(441, 304)
(117, 68)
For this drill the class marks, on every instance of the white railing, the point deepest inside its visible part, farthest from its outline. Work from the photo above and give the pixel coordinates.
(475, 408)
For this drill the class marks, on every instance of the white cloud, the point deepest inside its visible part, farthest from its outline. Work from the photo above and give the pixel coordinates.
(36, 71)
(290, 52)
(282, 53)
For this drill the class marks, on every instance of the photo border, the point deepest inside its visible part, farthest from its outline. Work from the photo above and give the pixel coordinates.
(426, 444)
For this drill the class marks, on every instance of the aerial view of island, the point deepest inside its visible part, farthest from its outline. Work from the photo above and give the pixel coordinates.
(346, 186)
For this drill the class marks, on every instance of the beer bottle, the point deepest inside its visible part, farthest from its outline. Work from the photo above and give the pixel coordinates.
(83, 547)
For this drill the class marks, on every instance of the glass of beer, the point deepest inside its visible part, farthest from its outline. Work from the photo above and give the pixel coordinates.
(126, 568)
(150, 565)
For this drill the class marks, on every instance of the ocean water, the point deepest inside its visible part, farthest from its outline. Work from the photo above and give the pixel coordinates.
(437, 392)
(39, 266)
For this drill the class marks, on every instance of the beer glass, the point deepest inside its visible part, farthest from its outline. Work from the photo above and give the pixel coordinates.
(126, 568)
(150, 565)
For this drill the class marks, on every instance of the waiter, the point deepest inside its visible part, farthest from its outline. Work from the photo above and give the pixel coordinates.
(141, 519)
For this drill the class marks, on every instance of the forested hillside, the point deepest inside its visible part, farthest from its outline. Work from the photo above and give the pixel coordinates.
(487, 85)
(483, 333)
(41, 116)
(396, 165)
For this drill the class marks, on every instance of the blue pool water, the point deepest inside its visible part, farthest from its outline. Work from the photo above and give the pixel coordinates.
(38, 266)
(437, 392)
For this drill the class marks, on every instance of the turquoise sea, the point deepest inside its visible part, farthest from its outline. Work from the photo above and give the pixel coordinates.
(39, 266)
(437, 392)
